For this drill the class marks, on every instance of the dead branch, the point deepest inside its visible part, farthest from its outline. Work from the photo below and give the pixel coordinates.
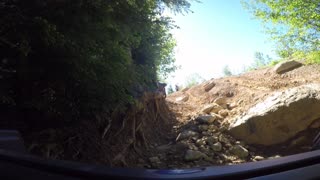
(106, 129)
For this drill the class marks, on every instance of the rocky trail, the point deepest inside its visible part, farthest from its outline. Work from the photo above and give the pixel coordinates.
(262, 114)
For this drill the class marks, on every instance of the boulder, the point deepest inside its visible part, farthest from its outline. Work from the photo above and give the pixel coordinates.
(212, 127)
(203, 127)
(239, 151)
(192, 155)
(212, 139)
(224, 139)
(206, 119)
(232, 105)
(183, 98)
(186, 134)
(213, 107)
(223, 112)
(280, 117)
(258, 158)
(207, 87)
(286, 66)
(222, 101)
(216, 146)
(200, 142)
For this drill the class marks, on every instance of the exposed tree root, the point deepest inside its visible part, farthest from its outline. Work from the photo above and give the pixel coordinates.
(122, 127)
(120, 157)
(150, 111)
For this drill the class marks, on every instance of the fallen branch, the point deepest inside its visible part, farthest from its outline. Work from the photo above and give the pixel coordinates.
(106, 129)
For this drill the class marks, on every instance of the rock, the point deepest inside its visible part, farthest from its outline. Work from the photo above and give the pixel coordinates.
(194, 138)
(223, 113)
(274, 157)
(222, 101)
(207, 87)
(205, 133)
(193, 147)
(183, 98)
(212, 127)
(232, 105)
(258, 158)
(226, 158)
(240, 143)
(207, 119)
(204, 149)
(239, 151)
(192, 155)
(233, 112)
(223, 139)
(223, 129)
(216, 146)
(218, 117)
(186, 134)
(212, 139)
(213, 107)
(207, 158)
(154, 159)
(228, 145)
(280, 117)
(200, 142)
(203, 127)
(286, 66)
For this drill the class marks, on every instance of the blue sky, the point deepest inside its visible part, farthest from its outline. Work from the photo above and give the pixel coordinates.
(218, 33)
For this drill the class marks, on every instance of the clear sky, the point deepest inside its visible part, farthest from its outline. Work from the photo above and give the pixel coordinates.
(218, 33)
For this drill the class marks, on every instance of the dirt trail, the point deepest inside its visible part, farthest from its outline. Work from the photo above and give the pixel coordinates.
(241, 92)
(169, 133)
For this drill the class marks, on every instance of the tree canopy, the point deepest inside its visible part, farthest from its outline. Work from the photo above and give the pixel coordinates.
(293, 24)
(69, 58)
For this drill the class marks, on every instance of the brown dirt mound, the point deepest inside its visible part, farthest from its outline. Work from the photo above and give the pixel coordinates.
(246, 90)
(145, 135)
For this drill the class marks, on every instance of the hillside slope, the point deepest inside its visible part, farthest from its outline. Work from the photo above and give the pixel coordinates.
(197, 144)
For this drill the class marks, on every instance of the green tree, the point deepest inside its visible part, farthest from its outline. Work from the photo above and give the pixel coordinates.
(69, 59)
(260, 60)
(293, 24)
(226, 71)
